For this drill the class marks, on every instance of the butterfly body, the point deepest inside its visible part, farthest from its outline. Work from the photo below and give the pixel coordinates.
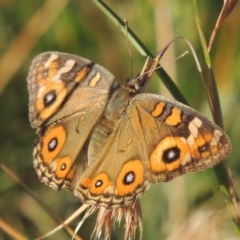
(107, 143)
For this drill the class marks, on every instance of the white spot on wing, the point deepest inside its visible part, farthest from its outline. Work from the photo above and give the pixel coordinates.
(95, 80)
(194, 125)
(66, 68)
(214, 141)
(186, 159)
(40, 91)
(183, 140)
(217, 134)
(50, 60)
(190, 140)
(193, 129)
(216, 137)
(197, 122)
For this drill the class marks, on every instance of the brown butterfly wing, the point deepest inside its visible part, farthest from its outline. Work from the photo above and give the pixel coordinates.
(175, 138)
(68, 95)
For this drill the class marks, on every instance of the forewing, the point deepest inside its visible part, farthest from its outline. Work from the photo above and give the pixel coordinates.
(61, 84)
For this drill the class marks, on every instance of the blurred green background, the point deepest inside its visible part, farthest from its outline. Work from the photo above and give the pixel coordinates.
(184, 208)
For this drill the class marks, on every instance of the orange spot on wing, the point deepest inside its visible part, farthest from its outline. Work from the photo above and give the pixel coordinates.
(137, 168)
(98, 184)
(82, 74)
(200, 141)
(104, 179)
(174, 118)
(60, 91)
(51, 72)
(60, 134)
(158, 110)
(214, 149)
(63, 166)
(158, 164)
(205, 154)
(53, 68)
(208, 137)
(40, 68)
(39, 76)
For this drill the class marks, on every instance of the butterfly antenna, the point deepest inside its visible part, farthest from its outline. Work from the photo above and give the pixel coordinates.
(180, 56)
(129, 50)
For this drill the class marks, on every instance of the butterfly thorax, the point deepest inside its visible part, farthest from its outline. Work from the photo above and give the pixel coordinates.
(108, 123)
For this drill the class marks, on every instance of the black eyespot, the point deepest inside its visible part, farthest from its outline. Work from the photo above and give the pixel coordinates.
(171, 154)
(129, 178)
(63, 166)
(52, 144)
(98, 183)
(203, 148)
(49, 98)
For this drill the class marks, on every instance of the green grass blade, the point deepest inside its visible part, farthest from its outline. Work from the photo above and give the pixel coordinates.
(138, 44)
(221, 171)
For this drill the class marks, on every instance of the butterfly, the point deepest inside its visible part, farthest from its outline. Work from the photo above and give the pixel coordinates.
(107, 143)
